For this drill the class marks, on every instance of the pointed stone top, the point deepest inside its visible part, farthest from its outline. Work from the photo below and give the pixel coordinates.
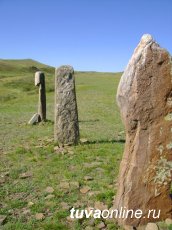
(66, 67)
(146, 39)
(64, 70)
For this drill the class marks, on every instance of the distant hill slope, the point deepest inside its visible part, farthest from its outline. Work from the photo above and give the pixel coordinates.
(23, 65)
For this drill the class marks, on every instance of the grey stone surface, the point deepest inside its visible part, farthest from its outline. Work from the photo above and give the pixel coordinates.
(66, 127)
(40, 81)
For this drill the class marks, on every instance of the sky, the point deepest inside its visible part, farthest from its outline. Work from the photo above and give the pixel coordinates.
(90, 35)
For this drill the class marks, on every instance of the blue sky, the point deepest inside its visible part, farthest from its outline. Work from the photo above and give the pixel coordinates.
(95, 35)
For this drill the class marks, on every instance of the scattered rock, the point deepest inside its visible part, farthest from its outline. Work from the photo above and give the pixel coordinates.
(91, 222)
(5, 174)
(70, 219)
(50, 140)
(100, 170)
(60, 150)
(151, 226)
(93, 193)
(88, 178)
(64, 151)
(65, 206)
(26, 211)
(100, 205)
(39, 216)
(56, 148)
(83, 140)
(2, 219)
(85, 189)
(64, 185)
(35, 119)
(89, 228)
(30, 203)
(49, 214)
(72, 168)
(49, 203)
(78, 204)
(74, 185)
(25, 175)
(101, 225)
(70, 152)
(92, 164)
(168, 221)
(50, 196)
(49, 190)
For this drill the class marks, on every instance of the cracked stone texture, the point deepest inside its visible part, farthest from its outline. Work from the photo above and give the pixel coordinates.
(66, 128)
(144, 97)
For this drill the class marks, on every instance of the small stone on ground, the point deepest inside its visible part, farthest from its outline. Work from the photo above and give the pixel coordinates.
(25, 175)
(49, 190)
(74, 185)
(87, 178)
(99, 205)
(64, 206)
(151, 226)
(64, 185)
(39, 216)
(85, 189)
(101, 225)
(50, 196)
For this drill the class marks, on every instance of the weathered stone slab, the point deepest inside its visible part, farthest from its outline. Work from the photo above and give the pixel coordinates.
(66, 128)
(40, 81)
(144, 97)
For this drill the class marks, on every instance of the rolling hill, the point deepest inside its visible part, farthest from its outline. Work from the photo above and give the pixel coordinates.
(23, 65)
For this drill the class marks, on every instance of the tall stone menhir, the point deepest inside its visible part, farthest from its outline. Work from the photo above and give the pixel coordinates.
(145, 100)
(40, 81)
(66, 128)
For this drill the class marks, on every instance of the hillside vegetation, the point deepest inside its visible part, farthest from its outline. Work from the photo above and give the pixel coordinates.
(29, 163)
(8, 66)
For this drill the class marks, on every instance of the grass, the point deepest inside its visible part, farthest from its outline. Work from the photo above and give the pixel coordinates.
(30, 149)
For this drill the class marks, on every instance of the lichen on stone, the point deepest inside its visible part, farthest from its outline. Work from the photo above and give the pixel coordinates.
(162, 170)
(160, 149)
(169, 146)
(168, 117)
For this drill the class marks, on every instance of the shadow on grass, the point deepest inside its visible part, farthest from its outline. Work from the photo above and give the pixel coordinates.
(87, 121)
(104, 141)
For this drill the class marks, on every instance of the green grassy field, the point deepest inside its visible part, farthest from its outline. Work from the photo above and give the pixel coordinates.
(29, 164)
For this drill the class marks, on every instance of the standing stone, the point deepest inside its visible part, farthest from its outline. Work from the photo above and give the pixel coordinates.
(145, 100)
(40, 81)
(66, 129)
